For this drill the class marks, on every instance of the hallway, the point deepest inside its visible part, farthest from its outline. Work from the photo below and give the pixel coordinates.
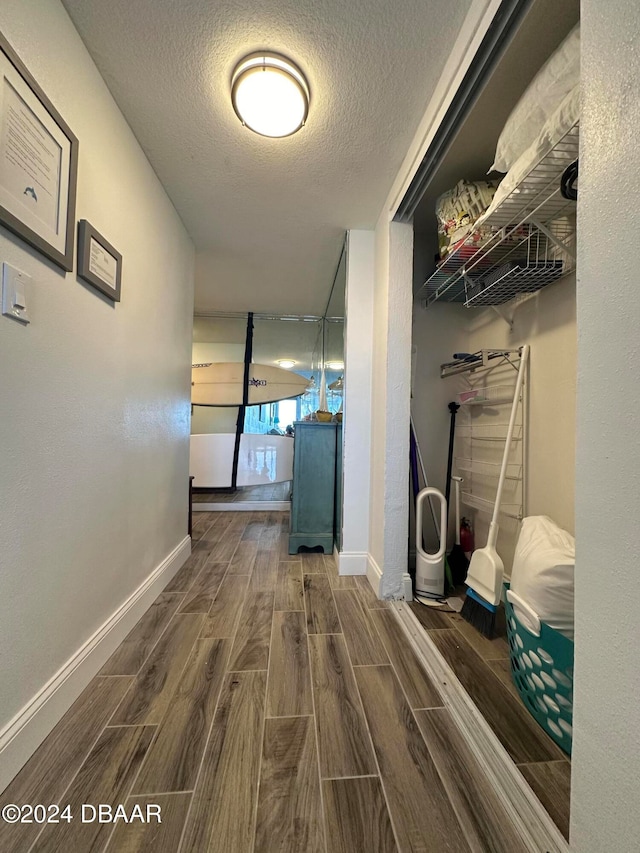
(265, 704)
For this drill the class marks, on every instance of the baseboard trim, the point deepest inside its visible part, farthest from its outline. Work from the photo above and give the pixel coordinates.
(22, 735)
(351, 562)
(532, 822)
(374, 574)
(242, 506)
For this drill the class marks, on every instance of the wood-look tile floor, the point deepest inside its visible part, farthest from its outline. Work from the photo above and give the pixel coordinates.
(483, 668)
(264, 704)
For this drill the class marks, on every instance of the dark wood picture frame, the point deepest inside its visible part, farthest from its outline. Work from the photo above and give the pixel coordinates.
(11, 220)
(86, 234)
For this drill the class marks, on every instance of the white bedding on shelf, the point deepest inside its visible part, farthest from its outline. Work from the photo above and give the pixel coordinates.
(558, 77)
(556, 127)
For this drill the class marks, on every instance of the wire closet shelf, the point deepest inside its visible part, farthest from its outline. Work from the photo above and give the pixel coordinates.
(528, 241)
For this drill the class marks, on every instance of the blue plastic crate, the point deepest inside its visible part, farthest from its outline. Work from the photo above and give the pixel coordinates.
(542, 671)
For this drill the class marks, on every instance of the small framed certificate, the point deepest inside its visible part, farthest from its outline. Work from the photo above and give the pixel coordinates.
(99, 264)
(38, 164)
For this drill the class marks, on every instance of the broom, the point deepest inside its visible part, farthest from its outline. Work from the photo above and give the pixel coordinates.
(484, 578)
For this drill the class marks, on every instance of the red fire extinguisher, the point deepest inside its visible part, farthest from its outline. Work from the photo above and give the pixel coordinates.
(467, 539)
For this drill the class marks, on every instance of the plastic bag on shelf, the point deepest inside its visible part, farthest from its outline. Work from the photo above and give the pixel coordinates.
(457, 211)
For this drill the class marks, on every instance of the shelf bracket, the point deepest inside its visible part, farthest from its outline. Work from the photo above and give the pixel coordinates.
(564, 247)
(503, 316)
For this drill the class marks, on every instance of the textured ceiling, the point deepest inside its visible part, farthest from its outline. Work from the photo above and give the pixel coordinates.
(268, 216)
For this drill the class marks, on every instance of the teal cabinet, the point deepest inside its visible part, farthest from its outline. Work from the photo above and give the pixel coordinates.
(314, 483)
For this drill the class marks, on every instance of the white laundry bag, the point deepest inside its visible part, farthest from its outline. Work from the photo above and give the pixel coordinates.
(542, 577)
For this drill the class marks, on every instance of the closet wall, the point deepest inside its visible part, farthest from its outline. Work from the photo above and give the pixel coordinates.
(547, 322)
(437, 334)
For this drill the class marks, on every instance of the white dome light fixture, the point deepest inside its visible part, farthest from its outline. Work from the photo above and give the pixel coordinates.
(287, 363)
(270, 94)
(335, 365)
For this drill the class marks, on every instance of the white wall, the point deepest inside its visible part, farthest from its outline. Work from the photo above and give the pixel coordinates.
(547, 322)
(389, 502)
(606, 756)
(357, 402)
(378, 397)
(437, 333)
(95, 397)
(209, 419)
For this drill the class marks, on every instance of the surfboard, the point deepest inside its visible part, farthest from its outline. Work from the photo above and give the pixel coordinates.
(220, 384)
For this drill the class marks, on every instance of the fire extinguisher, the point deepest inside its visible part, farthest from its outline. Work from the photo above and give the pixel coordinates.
(467, 539)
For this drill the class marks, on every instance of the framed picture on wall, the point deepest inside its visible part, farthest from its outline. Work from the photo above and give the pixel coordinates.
(99, 263)
(38, 164)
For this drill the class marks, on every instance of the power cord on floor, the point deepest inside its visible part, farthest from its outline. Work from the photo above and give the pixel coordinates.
(452, 603)
(439, 603)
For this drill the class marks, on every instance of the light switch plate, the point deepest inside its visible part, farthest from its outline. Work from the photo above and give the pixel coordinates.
(15, 291)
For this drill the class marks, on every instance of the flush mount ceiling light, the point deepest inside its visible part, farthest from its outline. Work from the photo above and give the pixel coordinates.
(335, 365)
(287, 363)
(270, 94)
